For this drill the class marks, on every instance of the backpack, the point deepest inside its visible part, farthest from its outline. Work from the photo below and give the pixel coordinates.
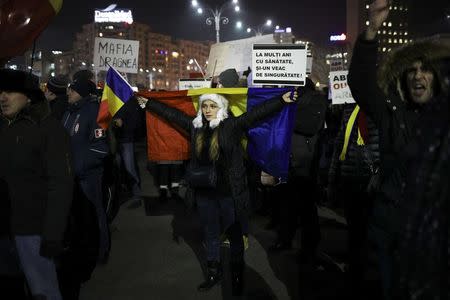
(310, 117)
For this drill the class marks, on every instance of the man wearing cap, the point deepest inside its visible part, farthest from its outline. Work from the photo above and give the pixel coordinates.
(35, 182)
(89, 149)
(56, 94)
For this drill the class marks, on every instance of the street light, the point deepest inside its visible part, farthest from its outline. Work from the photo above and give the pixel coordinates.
(260, 29)
(216, 14)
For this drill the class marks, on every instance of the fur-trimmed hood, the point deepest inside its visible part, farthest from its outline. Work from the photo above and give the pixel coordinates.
(399, 60)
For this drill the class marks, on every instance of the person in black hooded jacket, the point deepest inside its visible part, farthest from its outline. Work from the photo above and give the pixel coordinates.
(216, 140)
(36, 180)
(408, 80)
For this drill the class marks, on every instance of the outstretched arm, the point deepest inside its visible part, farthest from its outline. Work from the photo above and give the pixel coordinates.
(171, 114)
(266, 109)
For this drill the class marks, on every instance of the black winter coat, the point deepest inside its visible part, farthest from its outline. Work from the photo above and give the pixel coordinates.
(36, 182)
(231, 132)
(356, 166)
(133, 118)
(394, 118)
(88, 140)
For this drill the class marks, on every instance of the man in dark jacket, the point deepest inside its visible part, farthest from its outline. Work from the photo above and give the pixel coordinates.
(355, 160)
(89, 148)
(309, 122)
(408, 80)
(129, 124)
(36, 181)
(56, 95)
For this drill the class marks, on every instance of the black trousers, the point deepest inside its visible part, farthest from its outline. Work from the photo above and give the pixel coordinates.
(298, 198)
(357, 205)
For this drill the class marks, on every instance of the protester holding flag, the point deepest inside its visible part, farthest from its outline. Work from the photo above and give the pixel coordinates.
(89, 148)
(216, 148)
(129, 124)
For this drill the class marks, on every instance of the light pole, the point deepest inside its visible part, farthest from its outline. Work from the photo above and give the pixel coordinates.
(260, 29)
(216, 14)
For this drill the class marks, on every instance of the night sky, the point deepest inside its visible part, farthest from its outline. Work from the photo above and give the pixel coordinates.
(311, 19)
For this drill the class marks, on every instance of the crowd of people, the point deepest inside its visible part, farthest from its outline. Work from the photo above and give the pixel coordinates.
(384, 159)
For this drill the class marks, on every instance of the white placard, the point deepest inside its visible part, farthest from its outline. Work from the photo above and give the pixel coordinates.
(121, 54)
(340, 91)
(279, 64)
(188, 84)
(233, 54)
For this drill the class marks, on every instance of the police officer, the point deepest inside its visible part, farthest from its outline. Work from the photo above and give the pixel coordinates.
(89, 149)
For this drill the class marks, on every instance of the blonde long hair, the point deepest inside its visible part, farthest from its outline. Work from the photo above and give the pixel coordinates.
(213, 147)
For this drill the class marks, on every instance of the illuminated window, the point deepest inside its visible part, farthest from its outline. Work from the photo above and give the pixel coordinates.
(390, 32)
(401, 8)
(389, 24)
(400, 41)
(384, 49)
(389, 50)
(367, 6)
(384, 31)
(390, 41)
(384, 23)
(100, 34)
(406, 32)
(367, 23)
(395, 7)
(379, 31)
(395, 41)
(395, 32)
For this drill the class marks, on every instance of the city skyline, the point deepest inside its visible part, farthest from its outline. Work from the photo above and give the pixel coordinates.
(184, 23)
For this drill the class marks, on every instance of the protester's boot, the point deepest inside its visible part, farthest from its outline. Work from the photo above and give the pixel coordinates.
(213, 277)
(237, 278)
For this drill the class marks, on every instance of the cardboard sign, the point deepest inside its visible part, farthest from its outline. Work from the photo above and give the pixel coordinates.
(233, 54)
(340, 91)
(337, 64)
(279, 64)
(120, 54)
(196, 83)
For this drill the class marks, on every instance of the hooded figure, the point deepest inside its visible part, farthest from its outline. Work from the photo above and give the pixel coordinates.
(36, 183)
(216, 145)
(408, 82)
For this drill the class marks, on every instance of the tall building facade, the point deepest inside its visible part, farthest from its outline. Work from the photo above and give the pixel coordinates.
(162, 60)
(394, 31)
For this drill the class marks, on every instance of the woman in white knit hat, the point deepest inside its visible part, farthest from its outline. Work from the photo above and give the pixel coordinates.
(216, 143)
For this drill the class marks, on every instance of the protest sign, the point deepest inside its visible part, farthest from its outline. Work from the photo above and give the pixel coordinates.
(279, 64)
(340, 91)
(120, 54)
(233, 54)
(193, 83)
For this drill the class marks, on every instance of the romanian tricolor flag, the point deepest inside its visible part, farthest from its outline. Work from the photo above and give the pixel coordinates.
(269, 141)
(116, 92)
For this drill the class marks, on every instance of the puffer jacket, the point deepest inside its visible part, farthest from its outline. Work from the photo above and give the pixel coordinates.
(357, 164)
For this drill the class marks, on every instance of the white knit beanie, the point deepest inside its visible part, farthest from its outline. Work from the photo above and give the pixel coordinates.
(222, 114)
